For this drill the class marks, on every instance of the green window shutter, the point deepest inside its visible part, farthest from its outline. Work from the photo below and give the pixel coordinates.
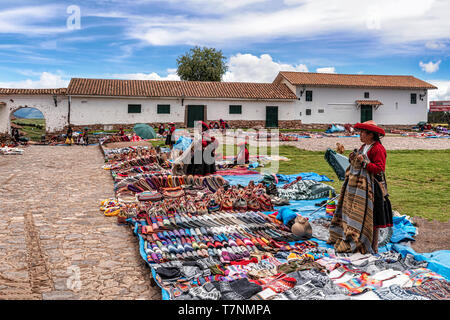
(134, 108)
(413, 98)
(235, 109)
(163, 108)
(309, 95)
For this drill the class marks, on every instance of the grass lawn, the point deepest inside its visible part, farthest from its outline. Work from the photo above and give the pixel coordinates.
(418, 180)
(33, 133)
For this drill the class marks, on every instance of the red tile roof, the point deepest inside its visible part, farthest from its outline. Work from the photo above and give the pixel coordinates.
(188, 89)
(8, 91)
(353, 80)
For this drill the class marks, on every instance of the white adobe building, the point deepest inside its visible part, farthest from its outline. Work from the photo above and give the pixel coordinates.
(351, 98)
(292, 100)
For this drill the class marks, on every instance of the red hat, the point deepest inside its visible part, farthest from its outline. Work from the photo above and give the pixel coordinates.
(370, 126)
(205, 127)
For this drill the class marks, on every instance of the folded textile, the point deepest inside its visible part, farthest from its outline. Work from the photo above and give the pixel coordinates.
(306, 190)
(338, 162)
(240, 289)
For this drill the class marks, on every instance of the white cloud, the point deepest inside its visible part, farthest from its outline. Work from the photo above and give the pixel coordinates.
(435, 45)
(399, 21)
(443, 91)
(250, 68)
(326, 70)
(32, 20)
(430, 67)
(46, 80)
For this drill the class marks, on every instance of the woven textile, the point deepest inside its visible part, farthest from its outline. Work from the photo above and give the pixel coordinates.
(395, 292)
(306, 190)
(433, 289)
(351, 228)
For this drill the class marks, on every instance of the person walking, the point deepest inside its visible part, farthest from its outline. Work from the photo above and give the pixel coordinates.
(86, 136)
(364, 206)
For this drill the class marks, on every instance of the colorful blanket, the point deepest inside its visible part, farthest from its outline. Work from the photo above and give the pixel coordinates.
(351, 228)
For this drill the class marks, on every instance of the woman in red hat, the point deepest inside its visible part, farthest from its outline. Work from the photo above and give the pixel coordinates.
(364, 205)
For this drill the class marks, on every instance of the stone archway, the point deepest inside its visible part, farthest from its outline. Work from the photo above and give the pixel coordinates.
(53, 108)
(32, 123)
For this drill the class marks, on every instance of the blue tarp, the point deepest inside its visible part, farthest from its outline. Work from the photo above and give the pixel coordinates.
(282, 178)
(403, 230)
(182, 143)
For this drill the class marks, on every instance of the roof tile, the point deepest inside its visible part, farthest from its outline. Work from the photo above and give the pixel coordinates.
(353, 80)
(189, 89)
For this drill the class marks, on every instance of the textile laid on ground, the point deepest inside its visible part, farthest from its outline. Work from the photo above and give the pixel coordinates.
(352, 224)
(306, 190)
(207, 240)
(11, 151)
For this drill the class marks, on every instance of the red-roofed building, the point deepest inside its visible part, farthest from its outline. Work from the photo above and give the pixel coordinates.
(292, 99)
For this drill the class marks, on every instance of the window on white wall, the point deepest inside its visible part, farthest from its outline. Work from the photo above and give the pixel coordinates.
(134, 108)
(163, 109)
(366, 95)
(235, 109)
(308, 112)
(321, 111)
(309, 95)
(413, 98)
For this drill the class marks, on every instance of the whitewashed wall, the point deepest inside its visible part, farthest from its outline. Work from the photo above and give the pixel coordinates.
(339, 106)
(106, 110)
(55, 117)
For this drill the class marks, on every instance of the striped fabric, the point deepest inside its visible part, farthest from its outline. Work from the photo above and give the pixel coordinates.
(351, 229)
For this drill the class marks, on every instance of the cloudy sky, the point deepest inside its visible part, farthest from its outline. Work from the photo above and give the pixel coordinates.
(45, 43)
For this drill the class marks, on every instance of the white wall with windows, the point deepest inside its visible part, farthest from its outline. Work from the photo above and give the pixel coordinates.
(337, 105)
(113, 110)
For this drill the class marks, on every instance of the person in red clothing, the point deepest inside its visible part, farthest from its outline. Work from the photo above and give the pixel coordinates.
(243, 156)
(169, 138)
(372, 155)
(203, 153)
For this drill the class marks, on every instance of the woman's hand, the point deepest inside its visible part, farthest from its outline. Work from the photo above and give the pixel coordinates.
(360, 158)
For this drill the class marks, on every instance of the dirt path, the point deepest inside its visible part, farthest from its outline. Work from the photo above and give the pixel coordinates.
(54, 241)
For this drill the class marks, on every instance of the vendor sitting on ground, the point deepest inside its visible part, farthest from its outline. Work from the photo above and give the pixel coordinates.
(121, 132)
(359, 215)
(161, 129)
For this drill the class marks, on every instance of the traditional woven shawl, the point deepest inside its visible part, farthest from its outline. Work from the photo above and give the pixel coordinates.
(351, 228)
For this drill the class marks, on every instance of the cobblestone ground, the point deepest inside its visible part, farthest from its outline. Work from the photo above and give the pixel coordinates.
(54, 241)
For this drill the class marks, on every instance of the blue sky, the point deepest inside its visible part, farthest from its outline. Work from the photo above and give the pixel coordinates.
(141, 39)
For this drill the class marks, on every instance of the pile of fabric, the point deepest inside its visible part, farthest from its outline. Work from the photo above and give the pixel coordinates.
(124, 138)
(287, 137)
(11, 151)
(207, 239)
